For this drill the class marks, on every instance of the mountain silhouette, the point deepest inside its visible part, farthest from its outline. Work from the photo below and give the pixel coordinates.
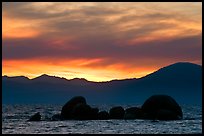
(182, 80)
(178, 74)
(49, 79)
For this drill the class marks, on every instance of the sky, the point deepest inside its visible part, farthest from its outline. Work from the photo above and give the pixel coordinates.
(98, 41)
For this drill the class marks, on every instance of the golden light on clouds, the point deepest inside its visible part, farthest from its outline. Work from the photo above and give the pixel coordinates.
(17, 28)
(98, 41)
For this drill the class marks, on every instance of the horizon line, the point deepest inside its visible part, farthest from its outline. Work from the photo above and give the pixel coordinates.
(101, 81)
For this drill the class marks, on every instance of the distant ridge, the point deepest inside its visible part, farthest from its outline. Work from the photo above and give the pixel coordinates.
(180, 80)
(179, 65)
(16, 78)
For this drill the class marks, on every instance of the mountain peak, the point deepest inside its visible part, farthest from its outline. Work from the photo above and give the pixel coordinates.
(15, 78)
(48, 78)
(44, 75)
(177, 71)
(184, 64)
(79, 79)
(182, 67)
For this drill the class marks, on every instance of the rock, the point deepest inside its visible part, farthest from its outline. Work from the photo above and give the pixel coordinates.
(117, 112)
(94, 113)
(68, 107)
(161, 107)
(133, 113)
(82, 112)
(35, 117)
(103, 115)
(166, 115)
(56, 117)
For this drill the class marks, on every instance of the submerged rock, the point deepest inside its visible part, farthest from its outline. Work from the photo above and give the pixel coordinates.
(162, 107)
(67, 109)
(35, 117)
(117, 112)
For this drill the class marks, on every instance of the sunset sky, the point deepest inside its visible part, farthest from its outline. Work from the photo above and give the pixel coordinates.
(98, 41)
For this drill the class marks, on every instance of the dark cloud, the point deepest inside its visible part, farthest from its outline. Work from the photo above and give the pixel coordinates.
(145, 29)
(100, 11)
(149, 16)
(188, 48)
(25, 10)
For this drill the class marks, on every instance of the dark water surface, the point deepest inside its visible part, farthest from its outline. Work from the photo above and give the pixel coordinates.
(14, 119)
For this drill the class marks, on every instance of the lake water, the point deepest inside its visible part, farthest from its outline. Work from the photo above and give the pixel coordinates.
(14, 121)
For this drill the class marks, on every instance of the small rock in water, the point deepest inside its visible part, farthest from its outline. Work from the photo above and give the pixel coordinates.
(35, 117)
(133, 113)
(117, 112)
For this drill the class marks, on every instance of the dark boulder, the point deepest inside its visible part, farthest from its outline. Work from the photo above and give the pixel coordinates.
(117, 112)
(161, 107)
(82, 112)
(166, 115)
(103, 115)
(35, 117)
(66, 112)
(94, 113)
(56, 117)
(133, 113)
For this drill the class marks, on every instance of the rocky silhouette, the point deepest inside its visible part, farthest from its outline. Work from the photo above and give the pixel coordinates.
(157, 107)
(35, 117)
(70, 106)
(133, 113)
(103, 115)
(117, 112)
(161, 107)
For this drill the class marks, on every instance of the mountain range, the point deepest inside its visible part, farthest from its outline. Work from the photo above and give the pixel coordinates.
(182, 81)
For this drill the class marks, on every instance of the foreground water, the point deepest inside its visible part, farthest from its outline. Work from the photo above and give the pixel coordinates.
(14, 121)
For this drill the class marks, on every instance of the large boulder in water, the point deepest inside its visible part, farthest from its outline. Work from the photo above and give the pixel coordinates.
(84, 112)
(66, 112)
(133, 113)
(117, 112)
(35, 117)
(166, 115)
(161, 107)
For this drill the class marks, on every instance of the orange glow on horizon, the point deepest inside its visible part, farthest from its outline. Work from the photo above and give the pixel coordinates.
(31, 70)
